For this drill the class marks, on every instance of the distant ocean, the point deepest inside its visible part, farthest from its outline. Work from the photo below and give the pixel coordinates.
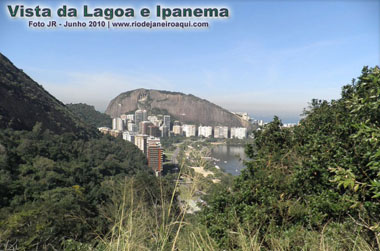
(268, 118)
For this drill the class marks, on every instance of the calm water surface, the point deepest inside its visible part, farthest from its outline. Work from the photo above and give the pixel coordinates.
(230, 158)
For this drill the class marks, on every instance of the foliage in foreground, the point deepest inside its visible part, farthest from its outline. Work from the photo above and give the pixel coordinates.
(324, 172)
(137, 227)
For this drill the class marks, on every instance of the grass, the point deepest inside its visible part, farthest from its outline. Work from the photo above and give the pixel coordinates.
(135, 226)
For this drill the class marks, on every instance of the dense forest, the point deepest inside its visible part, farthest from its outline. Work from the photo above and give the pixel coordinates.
(53, 185)
(88, 114)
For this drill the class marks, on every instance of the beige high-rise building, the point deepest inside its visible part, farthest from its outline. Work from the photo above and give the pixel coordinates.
(177, 130)
(141, 142)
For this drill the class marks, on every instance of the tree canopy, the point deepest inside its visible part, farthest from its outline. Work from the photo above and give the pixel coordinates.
(325, 170)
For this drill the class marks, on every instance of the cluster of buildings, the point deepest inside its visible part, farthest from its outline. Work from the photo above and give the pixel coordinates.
(145, 132)
(218, 132)
(141, 123)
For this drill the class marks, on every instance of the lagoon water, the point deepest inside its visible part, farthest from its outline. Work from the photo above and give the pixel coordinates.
(230, 158)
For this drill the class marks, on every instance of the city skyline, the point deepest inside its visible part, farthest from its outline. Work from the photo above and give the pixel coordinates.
(269, 58)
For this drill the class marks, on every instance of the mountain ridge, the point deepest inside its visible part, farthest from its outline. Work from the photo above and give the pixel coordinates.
(187, 108)
(24, 103)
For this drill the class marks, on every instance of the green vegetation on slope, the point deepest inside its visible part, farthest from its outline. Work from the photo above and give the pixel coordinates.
(320, 178)
(52, 186)
(91, 116)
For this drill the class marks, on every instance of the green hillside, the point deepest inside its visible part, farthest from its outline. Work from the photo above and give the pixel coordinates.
(24, 102)
(91, 116)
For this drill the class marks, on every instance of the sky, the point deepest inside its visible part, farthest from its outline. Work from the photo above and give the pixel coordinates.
(268, 58)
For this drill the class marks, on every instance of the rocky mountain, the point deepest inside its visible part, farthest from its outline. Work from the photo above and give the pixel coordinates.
(23, 103)
(183, 107)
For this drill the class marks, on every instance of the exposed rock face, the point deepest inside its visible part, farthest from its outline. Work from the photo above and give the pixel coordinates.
(185, 108)
(23, 103)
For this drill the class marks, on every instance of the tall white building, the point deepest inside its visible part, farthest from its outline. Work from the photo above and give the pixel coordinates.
(120, 124)
(129, 136)
(117, 124)
(167, 121)
(239, 132)
(205, 131)
(221, 132)
(189, 130)
(114, 123)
